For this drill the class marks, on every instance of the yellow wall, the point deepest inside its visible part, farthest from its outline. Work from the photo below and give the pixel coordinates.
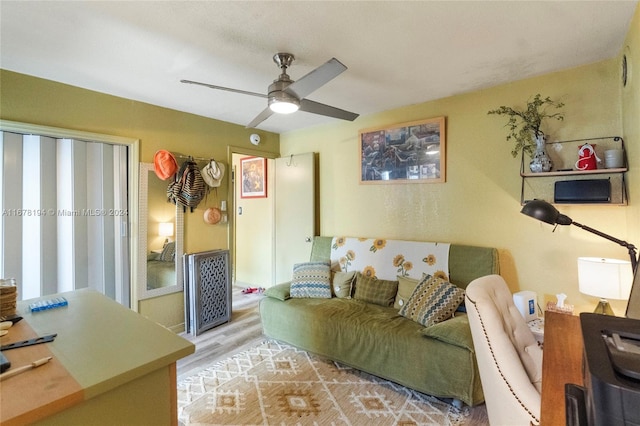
(480, 202)
(630, 112)
(37, 101)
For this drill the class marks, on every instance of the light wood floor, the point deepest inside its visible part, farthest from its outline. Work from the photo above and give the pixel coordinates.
(243, 332)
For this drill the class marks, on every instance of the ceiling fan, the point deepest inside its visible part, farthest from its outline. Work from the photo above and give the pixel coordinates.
(286, 96)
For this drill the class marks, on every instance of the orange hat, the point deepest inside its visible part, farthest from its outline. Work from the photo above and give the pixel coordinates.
(164, 164)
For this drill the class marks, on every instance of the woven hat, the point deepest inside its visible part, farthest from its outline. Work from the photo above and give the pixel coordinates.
(213, 173)
(212, 215)
(164, 164)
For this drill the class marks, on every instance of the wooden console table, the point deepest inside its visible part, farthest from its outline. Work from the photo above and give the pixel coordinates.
(561, 364)
(110, 366)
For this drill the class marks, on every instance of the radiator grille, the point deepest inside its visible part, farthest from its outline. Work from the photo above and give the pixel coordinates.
(207, 290)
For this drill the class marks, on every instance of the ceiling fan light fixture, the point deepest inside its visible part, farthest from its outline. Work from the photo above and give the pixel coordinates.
(284, 107)
(283, 103)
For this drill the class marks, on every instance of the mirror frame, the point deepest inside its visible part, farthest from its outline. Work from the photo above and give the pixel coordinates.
(143, 211)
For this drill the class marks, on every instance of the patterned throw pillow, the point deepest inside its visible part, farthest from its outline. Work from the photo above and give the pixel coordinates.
(373, 290)
(342, 283)
(168, 252)
(434, 300)
(311, 280)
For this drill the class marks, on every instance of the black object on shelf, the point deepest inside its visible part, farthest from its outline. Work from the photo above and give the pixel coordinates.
(583, 191)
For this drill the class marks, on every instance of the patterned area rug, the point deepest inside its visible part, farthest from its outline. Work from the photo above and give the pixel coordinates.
(275, 383)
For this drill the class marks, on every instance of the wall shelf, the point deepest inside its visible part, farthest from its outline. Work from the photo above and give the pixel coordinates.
(564, 155)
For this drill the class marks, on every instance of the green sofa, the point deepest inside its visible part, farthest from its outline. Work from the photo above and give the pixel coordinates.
(438, 360)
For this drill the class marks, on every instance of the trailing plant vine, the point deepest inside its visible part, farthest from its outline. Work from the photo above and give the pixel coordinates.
(524, 125)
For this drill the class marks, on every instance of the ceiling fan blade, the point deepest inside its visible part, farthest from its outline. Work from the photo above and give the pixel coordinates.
(211, 86)
(316, 78)
(266, 113)
(329, 111)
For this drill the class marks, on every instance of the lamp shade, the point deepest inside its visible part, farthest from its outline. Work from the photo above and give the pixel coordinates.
(605, 278)
(545, 212)
(165, 229)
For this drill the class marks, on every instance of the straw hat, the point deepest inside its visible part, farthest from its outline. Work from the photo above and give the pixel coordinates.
(212, 215)
(164, 164)
(213, 173)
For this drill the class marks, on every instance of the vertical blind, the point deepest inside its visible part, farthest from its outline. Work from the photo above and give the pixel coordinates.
(65, 216)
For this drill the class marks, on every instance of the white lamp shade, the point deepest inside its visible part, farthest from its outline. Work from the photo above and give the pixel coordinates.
(165, 229)
(605, 278)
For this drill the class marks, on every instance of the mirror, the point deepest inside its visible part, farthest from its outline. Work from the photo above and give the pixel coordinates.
(160, 247)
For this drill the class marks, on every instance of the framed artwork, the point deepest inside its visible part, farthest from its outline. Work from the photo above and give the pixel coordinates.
(405, 153)
(254, 177)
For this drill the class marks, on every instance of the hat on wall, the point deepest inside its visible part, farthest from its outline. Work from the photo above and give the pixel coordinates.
(213, 173)
(164, 164)
(212, 215)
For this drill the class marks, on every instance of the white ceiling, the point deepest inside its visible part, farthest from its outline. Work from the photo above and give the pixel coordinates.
(398, 53)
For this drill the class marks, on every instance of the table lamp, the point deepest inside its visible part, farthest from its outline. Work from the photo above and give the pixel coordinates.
(606, 279)
(545, 212)
(165, 229)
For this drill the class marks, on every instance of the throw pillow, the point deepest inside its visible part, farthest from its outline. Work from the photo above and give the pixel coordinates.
(434, 300)
(373, 290)
(455, 331)
(311, 280)
(168, 252)
(279, 291)
(342, 283)
(406, 285)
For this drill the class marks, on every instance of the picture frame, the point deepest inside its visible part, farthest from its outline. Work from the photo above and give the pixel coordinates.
(253, 171)
(413, 152)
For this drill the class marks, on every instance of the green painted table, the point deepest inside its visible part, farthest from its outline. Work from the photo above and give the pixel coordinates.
(110, 366)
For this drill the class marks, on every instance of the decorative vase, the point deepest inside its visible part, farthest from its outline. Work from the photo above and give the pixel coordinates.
(540, 161)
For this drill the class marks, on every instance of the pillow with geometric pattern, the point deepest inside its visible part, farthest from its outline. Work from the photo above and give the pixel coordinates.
(311, 280)
(434, 300)
(168, 252)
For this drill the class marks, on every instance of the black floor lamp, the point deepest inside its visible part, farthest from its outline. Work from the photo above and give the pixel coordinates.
(545, 212)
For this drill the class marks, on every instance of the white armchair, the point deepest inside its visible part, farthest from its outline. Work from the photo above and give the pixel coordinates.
(508, 355)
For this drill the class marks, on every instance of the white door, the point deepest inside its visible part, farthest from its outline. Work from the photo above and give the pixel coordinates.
(253, 232)
(295, 220)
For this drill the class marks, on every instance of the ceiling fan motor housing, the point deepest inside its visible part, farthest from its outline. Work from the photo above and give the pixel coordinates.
(277, 93)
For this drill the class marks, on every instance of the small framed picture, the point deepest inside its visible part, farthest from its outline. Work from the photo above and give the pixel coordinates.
(254, 177)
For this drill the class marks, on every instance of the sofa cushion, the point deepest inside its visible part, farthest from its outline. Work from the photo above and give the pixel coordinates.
(373, 290)
(279, 291)
(342, 283)
(311, 279)
(455, 331)
(434, 300)
(406, 285)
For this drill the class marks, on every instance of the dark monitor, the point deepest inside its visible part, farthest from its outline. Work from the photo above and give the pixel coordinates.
(633, 307)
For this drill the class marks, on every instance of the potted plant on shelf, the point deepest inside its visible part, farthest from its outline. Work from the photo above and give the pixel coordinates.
(525, 129)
